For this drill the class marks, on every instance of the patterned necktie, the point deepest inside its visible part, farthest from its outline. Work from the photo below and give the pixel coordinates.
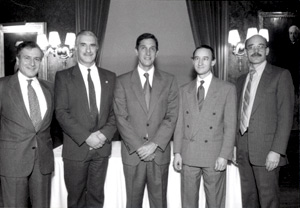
(245, 114)
(147, 90)
(34, 106)
(200, 95)
(92, 96)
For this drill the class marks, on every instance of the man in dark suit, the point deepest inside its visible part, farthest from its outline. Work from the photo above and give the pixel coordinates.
(205, 132)
(26, 109)
(146, 108)
(266, 101)
(83, 104)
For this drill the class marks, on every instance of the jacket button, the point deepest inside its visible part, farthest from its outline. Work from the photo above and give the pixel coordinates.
(210, 127)
(205, 141)
(188, 126)
(187, 112)
(33, 147)
(214, 113)
(147, 124)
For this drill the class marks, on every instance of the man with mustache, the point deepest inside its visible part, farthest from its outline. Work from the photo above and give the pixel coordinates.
(265, 116)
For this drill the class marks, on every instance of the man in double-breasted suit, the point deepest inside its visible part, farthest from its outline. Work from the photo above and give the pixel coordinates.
(146, 108)
(205, 132)
(26, 110)
(264, 123)
(83, 107)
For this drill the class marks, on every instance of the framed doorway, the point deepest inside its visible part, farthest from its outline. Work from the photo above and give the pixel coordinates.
(11, 34)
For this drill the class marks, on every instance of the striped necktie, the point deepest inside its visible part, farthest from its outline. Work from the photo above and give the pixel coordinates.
(147, 90)
(245, 114)
(200, 95)
(34, 106)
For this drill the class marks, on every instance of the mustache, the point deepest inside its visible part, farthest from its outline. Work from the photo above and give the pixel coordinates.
(256, 54)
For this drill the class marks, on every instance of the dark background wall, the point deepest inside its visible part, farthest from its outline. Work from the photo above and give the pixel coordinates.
(60, 16)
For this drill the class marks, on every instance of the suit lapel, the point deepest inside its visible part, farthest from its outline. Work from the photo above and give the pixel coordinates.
(240, 87)
(138, 90)
(265, 78)
(157, 88)
(16, 97)
(191, 99)
(209, 102)
(104, 88)
(48, 97)
(78, 83)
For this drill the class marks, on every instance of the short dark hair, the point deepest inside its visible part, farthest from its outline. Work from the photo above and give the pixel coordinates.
(28, 44)
(146, 36)
(207, 47)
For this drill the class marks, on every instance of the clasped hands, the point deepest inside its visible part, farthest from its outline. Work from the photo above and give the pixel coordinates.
(147, 151)
(96, 140)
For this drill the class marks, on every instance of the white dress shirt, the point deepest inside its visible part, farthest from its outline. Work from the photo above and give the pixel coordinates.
(96, 80)
(206, 84)
(143, 78)
(254, 84)
(38, 90)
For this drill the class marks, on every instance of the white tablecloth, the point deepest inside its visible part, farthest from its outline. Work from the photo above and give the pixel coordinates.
(115, 192)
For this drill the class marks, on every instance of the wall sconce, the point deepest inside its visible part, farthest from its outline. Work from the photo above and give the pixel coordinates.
(54, 46)
(238, 47)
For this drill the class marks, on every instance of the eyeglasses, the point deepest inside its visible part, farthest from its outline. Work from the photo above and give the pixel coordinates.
(258, 47)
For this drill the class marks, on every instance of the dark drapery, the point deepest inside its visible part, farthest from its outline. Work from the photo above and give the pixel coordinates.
(209, 22)
(92, 15)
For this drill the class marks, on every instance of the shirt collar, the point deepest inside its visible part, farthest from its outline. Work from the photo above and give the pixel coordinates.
(260, 68)
(23, 78)
(84, 68)
(207, 79)
(142, 71)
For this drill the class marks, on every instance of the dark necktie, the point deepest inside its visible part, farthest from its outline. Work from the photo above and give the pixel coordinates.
(92, 97)
(200, 95)
(34, 106)
(147, 90)
(245, 112)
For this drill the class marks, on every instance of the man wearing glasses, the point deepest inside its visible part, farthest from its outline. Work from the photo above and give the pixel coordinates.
(266, 99)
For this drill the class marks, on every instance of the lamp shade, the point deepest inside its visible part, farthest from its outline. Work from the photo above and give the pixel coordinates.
(264, 33)
(234, 37)
(251, 31)
(70, 40)
(42, 41)
(54, 39)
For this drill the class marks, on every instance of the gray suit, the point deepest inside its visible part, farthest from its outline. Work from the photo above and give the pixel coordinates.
(134, 122)
(269, 130)
(202, 137)
(22, 148)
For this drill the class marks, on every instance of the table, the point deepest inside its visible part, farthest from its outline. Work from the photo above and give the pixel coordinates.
(115, 191)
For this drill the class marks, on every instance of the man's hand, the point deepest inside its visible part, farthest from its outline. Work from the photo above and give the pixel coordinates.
(221, 164)
(102, 138)
(234, 156)
(147, 149)
(272, 160)
(93, 140)
(150, 157)
(177, 162)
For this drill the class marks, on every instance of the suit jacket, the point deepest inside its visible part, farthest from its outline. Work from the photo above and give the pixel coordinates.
(202, 137)
(133, 120)
(18, 138)
(272, 114)
(72, 112)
